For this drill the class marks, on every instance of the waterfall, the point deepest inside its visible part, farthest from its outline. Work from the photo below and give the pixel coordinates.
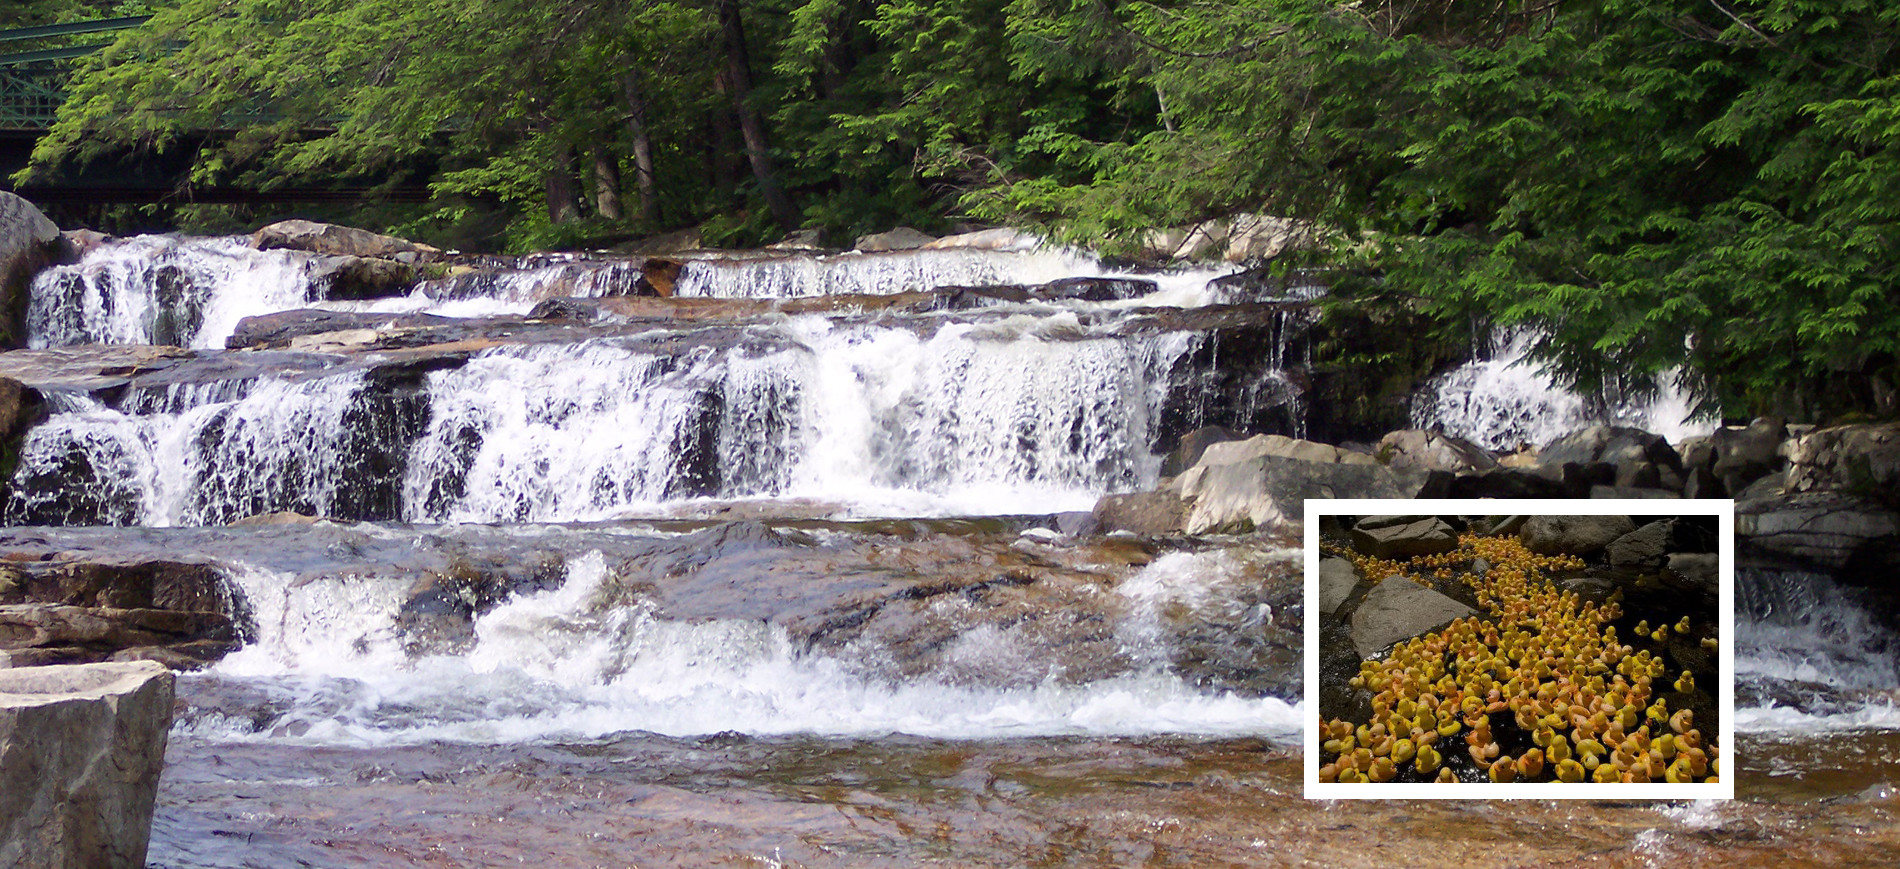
(1813, 656)
(1020, 414)
(1507, 400)
(877, 417)
(155, 289)
(201, 454)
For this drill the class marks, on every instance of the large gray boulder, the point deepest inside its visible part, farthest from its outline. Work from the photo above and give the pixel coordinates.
(29, 241)
(1419, 535)
(81, 748)
(1740, 456)
(1647, 546)
(329, 238)
(1633, 457)
(1337, 579)
(1862, 459)
(1399, 609)
(1433, 451)
(901, 238)
(1573, 535)
(1830, 529)
(1270, 491)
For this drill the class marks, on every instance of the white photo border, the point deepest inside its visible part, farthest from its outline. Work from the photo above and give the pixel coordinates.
(1723, 509)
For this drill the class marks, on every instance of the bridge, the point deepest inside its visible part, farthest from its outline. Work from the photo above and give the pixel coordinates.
(32, 88)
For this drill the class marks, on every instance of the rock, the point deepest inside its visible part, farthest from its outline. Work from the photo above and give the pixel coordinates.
(28, 242)
(1230, 452)
(329, 238)
(1000, 238)
(1743, 455)
(41, 633)
(1147, 513)
(109, 607)
(80, 242)
(1399, 609)
(900, 238)
(1193, 444)
(1424, 535)
(1258, 237)
(359, 277)
(1638, 458)
(21, 407)
(1700, 569)
(1836, 530)
(1863, 459)
(1337, 579)
(81, 748)
(800, 240)
(1507, 483)
(1573, 535)
(1269, 491)
(1491, 526)
(1638, 492)
(1432, 451)
(1267, 284)
(283, 328)
(1647, 546)
(677, 241)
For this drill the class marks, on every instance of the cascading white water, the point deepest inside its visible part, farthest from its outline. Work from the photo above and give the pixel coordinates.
(1800, 633)
(1017, 415)
(201, 454)
(1023, 414)
(160, 289)
(798, 275)
(1507, 400)
(558, 664)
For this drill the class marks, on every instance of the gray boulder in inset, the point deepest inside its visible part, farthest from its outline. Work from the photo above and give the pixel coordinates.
(1700, 569)
(1337, 579)
(1645, 547)
(1399, 609)
(81, 748)
(1424, 535)
(1573, 535)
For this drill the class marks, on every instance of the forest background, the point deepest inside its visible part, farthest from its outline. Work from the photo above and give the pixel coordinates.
(1710, 187)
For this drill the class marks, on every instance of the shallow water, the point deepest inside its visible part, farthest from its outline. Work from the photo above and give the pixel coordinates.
(729, 800)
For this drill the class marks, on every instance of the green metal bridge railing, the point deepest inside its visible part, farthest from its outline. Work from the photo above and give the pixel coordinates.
(33, 83)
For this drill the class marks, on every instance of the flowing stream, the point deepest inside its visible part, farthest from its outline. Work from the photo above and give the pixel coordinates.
(791, 586)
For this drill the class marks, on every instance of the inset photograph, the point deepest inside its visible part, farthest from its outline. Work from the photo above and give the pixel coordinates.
(1462, 652)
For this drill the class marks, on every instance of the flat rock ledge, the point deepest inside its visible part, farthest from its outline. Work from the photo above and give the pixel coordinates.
(81, 748)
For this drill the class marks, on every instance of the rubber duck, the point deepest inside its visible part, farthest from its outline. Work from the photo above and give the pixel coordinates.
(1403, 750)
(1531, 764)
(1446, 776)
(1682, 627)
(1428, 759)
(1383, 770)
(1569, 771)
(1503, 770)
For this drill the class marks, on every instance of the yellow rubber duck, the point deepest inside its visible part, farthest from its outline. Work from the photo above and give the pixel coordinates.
(1403, 750)
(1503, 770)
(1682, 720)
(1446, 776)
(1531, 764)
(1428, 760)
(1569, 771)
(1685, 683)
(1682, 627)
(1606, 774)
(1351, 775)
(1383, 770)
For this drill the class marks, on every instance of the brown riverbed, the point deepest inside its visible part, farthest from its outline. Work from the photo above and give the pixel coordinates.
(649, 801)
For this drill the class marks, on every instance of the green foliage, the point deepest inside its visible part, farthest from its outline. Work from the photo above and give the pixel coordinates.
(1646, 183)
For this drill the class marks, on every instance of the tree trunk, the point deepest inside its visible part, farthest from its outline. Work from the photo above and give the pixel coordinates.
(751, 126)
(564, 204)
(606, 184)
(642, 150)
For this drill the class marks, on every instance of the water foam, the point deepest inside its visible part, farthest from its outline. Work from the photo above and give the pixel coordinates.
(559, 665)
